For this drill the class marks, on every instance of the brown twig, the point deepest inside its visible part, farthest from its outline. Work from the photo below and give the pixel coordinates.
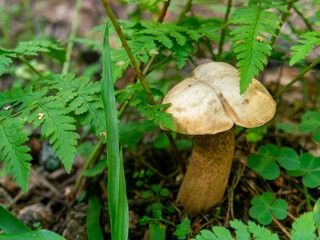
(163, 11)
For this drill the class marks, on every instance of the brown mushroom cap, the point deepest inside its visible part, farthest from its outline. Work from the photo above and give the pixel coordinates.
(210, 102)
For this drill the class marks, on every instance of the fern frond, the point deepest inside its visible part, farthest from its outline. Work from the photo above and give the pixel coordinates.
(8, 97)
(302, 50)
(12, 151)
(55, 123)
(5, 61)
(251, 45)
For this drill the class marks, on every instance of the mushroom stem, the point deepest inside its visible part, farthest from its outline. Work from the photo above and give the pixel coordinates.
(207, 174)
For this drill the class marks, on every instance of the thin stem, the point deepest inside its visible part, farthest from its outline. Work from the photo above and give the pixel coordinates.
(305, 20)
(306, 193)
(281, 227)
(128, 50)
(186, 8)
(284, 18)
(29, 65)
(304, 71)
(163, 11)
(316, 97)
(139, 73)
(223, 32)
(92, 157)
(74, 26)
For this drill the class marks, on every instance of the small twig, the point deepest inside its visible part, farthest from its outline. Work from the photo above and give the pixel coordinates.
(91, 159)
(284, 18)
(305, 20)
(186, 8)
(281, 227)
(128, 50)
(304, 71)
(29, 65)
(74, 26)
(223, 32)
(163, 11)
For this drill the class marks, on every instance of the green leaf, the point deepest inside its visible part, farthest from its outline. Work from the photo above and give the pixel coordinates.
(302, 50)
(309, 122)
(38, 235)
(157, 231)
(117, 197)
(303, 227)
(10, 224)
(146, 194)
(4, 62)
(222, 233)
(183, 229)
(241, 230)
(288, 158)
(164, 192)
(266, 166)
(13, 153)
(287, 127)
(262, 208)
(261, 233)
(97, 169)
(316, 213)
(279, 209)
(252, 53)
(93, 215)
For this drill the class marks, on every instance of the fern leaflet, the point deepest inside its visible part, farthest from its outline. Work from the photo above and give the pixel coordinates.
(251, 46)
(12, 151)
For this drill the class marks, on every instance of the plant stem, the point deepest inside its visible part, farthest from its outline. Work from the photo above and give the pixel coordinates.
(223, 32)
(306, 193)
(284, 18)
(74, 26)
(163, 11)
(305, 20)
(316, 97)
(91, 159)
(128, 50)
(29, 65)
(281, 227)
(304, 71)
(140, 74)
(186, 8)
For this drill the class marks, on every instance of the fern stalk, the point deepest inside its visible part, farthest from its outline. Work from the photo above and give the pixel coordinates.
(223, 32)
(186, 8)
(163, 11)
(29, 65)
(74, 26)
(128, 50)
(304, 71)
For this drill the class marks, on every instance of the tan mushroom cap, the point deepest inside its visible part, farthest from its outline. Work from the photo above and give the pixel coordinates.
(209, 101)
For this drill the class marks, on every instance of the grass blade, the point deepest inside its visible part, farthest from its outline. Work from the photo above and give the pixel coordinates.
(93, 226)
(32, 235)
(10, 224)
(116, 184)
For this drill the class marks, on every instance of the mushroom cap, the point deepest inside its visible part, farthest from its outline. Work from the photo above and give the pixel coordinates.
(209, 101)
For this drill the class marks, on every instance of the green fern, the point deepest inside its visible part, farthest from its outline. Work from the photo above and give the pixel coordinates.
(12, 151)
(81, 96)
(251, 45)
(31, 48)
(138, 98)
(55, 123)
(302, 50)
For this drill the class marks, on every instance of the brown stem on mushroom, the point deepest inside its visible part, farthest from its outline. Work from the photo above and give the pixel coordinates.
(208, 171)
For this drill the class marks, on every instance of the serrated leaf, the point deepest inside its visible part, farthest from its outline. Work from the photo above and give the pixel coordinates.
(303, 227)
(13, 153)
(183, 229)
(261, 233)
(5, 61)
(241, 230)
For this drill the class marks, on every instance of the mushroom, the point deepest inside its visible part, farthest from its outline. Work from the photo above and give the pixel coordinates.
(207, 105)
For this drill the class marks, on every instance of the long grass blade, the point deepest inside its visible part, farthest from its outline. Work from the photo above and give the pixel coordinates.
(93, 226)
(32, 235)
(118, 206)
(10, 224)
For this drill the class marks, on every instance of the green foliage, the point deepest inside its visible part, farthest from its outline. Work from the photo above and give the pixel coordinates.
(309, 169)
(31, 48)
(264, 207)
(183, 229)
(310, 122)
(304, 227)
(302, 50)
(265, 162)
(250, 42)
(137, 97)
(12, 151)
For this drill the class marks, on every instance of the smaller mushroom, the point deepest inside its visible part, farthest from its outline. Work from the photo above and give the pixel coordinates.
(207, 105)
